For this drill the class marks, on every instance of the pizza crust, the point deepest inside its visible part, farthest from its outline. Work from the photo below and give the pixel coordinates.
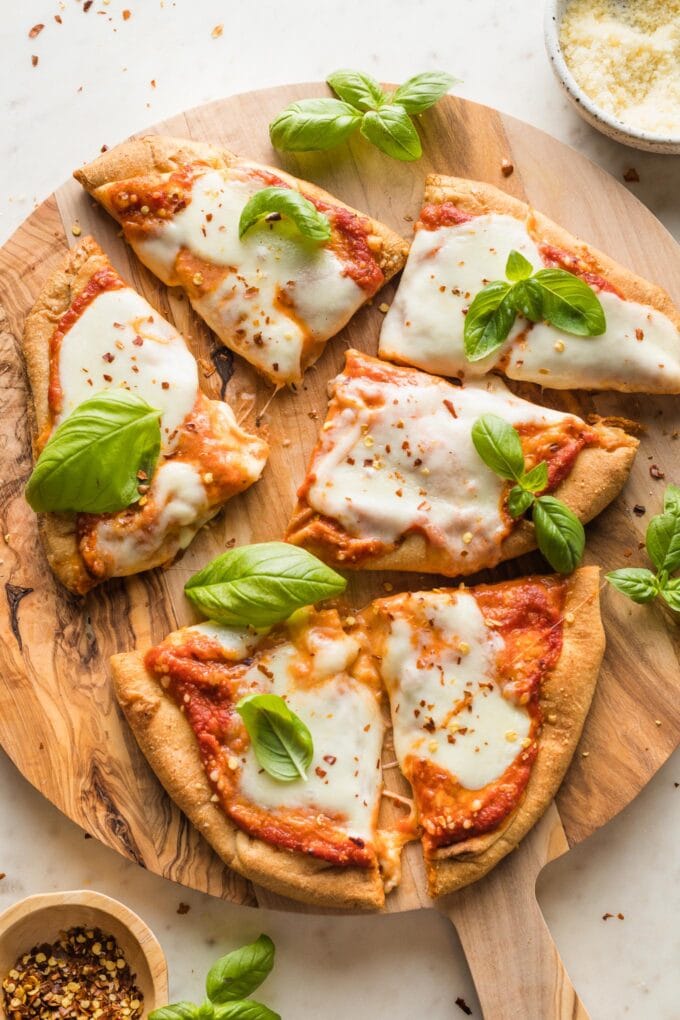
(478, 198)
(598, 475)
(162, 154)
(169, 744)
(566, 694)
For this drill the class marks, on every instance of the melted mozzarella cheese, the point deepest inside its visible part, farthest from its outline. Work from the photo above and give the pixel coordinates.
(102, 351)
(344, 719)
(395, 459)
(447, 267)
(447, 706)
(246, 310)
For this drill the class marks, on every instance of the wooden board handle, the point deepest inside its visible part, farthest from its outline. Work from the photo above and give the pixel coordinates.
(514, 962)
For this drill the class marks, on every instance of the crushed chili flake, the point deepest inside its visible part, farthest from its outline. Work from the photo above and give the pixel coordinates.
(639, 510)
(217, 31)
(36, 30)
(631, 175)
(507, 168)
(34, 61)
(656, 472)
(126, 15)
(83, 974)
(183, 908)
(57, 18)
(87, 5)
(462, 1004)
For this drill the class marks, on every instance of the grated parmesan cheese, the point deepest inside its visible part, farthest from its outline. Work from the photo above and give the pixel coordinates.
(625, 55)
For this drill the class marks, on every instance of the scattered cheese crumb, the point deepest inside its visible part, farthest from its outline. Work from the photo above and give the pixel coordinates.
(76, 229)
(384, 308)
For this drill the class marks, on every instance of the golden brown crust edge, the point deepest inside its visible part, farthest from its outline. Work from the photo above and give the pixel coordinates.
(163, 154)
(58, 531)
(596, 479)
(169, 745)
(566, 694)
(477, 198)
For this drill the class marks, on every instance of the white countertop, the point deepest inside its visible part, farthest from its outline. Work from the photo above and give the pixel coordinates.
(401, 966)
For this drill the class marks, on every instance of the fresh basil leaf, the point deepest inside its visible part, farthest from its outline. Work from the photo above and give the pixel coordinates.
(638, 583)
(391, 129)
(423, 90)
(177, 1011)
(312, 124)
(535, 480)
(94, 460)
(239, 973)
(517, 267)
(569, 303)
(488, 321)
(671, 593)
(499, 446)
(559, 534)
(519, 501)
(245, 1010)
(259, 585)
(671, 500)
(281, 742)
(663, 541)
(527, 299)
(285, 202)
(357, 89)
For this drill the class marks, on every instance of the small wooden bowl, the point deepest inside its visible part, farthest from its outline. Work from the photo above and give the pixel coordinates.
(40, 919)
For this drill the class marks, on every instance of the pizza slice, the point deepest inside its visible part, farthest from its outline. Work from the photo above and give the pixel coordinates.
(89, 332)
(272, 296)
(312, 838)
(463, 238)
(395, 481)
(489, 689)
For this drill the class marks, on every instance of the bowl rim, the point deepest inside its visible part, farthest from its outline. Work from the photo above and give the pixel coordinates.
(149, 945)
(551, 24)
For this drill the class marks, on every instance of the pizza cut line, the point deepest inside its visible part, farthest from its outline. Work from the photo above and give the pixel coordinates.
(463, 237)
(489, 688)
(273, 296)
(395, 481)
(90, 332)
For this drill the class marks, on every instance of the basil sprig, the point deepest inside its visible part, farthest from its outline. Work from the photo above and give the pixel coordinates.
(281, 742)
(229, 982)
(559, 533)
(259, 585)
(384, 118)
(273, 203)
(548, 295)
(96, 459)
(663, 548)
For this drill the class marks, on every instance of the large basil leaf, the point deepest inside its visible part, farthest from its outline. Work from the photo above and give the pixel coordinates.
(423, 90)
(638, 583)
(663, 542)
(391, 129)
(259, 585)
(559, 534)
(239, 973)
(281, 742)
(357, 89)
(488, 321)
(94, 460)
(313, 124)
(569, 303)
(519, 501)
(245, 1010)
(285, 202)
(499, 446)
(177, 1011)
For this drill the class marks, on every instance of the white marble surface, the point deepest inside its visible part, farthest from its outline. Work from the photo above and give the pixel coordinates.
(92, 86)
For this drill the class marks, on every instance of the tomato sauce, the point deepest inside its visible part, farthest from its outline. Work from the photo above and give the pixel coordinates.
(442, 214)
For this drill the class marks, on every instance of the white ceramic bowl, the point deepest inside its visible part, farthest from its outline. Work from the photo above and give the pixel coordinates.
(41, 918)
(604, 122)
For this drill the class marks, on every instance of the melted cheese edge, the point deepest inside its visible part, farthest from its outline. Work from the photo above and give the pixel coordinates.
(265, 264)
(447, 267)
(450, 495)
(343, 716)
(434, 666)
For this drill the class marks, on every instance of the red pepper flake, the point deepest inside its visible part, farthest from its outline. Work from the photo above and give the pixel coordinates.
(165, 385)
(87, 5)
(631, 175)
(656, 472)
(36, 30)
(183, 908)
(138, 341)
(104, 148)
(127, 15)
(108, 378)
(153, 83)
(462, 1005)
(639, 334)
(217, 31)
(507, 168)
(639, 510)
(321, 773)
(34, 61)
(605, 917)
(108, 357)
(330, 759)
(57, 18)
(450, 408)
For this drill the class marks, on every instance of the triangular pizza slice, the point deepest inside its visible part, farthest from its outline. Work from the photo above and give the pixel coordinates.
(395, 481)
(273, 296)
(463, 238)
(489, 690)
(89, 333)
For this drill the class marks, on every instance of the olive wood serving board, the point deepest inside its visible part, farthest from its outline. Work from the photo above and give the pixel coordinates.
(58, 719)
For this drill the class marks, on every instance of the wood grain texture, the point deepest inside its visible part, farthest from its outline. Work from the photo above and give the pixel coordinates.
(58, 720)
